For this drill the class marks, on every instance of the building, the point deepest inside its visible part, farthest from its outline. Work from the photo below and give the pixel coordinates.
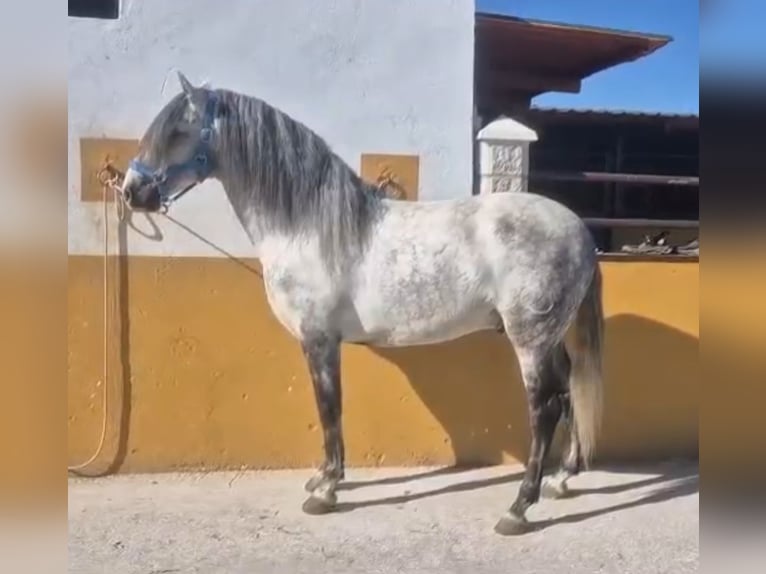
(201, 374)
(594, 161)
(637, 173)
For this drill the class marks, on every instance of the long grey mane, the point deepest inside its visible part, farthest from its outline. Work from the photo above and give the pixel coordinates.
(289, 177)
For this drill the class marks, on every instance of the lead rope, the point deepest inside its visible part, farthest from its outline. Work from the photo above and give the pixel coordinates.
(110, 178)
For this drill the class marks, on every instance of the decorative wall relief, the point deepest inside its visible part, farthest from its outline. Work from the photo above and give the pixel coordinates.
(507, 167)
(398, 175)
(94, 153)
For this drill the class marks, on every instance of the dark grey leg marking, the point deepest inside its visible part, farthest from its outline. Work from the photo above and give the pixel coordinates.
(322, 354)
(544, 396)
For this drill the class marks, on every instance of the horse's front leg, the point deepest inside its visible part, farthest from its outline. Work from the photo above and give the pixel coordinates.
(322, 354)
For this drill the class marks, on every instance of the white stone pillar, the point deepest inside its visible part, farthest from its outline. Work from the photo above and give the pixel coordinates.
(504, 155)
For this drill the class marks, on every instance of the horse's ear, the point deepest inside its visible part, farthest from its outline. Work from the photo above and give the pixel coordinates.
(185, 84)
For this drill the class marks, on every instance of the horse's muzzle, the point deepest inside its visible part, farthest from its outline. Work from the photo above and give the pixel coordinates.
(140, 195)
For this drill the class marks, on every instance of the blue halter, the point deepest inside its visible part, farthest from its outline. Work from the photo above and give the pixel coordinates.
(200, 164)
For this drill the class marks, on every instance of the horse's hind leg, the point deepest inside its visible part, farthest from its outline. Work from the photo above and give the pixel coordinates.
(555, 486)
(538, 367)
(323, 357)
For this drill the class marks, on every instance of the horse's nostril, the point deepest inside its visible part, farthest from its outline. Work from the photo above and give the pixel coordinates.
(127, 195)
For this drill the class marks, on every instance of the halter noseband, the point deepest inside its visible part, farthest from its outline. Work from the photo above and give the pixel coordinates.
(201, 162)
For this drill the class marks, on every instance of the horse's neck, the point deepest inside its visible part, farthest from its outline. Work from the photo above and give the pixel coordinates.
(270, 248)
(268, 242)
(246, 214)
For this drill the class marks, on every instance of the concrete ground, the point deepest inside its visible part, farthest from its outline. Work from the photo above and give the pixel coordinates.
(626, 521)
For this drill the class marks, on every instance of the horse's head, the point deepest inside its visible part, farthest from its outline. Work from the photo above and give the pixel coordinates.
(175, 153)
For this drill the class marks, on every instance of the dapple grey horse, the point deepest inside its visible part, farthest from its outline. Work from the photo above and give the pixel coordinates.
(344, 264)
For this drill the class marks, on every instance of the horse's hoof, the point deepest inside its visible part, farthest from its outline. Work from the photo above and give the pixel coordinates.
(554, 490)
(315, 505)
(512, 525)
(313, 482)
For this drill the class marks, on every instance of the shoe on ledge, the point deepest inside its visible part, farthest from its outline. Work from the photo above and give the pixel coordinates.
(651, 245)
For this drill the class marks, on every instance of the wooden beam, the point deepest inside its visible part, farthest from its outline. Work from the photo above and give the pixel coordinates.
(682, 124)
(506, 79)
(621, 256)
(607, 177)
(616, 222)
(491, 105)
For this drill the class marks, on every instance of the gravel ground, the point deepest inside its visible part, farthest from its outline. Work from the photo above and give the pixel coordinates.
(621, 520)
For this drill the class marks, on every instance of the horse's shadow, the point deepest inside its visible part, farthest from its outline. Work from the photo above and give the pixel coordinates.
(668, 487)
(676, 481)
(410, 496)
(473, 388)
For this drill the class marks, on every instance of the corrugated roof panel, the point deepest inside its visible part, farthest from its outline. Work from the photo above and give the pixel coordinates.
(612, 112)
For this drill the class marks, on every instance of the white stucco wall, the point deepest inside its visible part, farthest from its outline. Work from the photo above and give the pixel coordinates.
(375, 76)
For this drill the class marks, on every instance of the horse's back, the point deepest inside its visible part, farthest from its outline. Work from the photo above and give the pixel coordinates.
(433, 269)
(485, 237)
(512, 211)
(534, 224)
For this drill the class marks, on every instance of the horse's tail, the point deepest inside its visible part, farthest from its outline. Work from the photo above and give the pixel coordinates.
(585, 380)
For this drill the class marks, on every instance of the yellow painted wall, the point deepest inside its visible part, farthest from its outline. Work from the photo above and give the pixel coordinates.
(202, 376)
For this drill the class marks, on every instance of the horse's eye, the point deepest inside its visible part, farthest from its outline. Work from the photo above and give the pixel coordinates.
(176, 136)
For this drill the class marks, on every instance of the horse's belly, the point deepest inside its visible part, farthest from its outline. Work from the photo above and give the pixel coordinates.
(440, 334)
(397, 331)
